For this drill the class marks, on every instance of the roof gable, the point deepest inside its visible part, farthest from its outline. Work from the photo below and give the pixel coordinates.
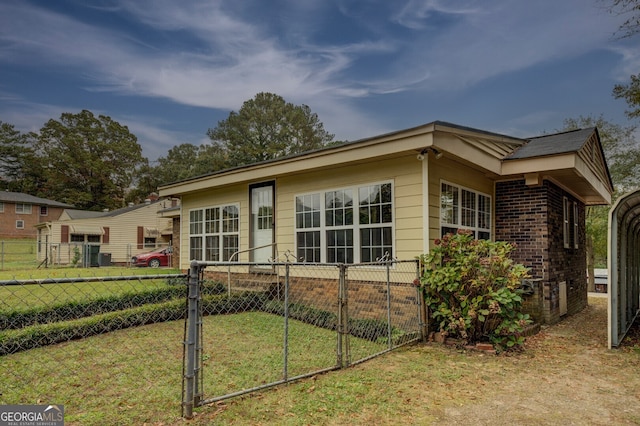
(559, 143)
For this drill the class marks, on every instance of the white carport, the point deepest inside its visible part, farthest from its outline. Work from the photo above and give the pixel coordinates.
(624, 266)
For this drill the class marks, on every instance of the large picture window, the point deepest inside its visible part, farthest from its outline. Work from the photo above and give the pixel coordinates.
(463, 208)
(214, 233)
(345, 225)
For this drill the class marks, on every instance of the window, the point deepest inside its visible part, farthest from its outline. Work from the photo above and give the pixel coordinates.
(575, 225)
(462, 208)
(77, 238)
(1, 207)
(44, 211)
(20, 224)
(23, 208)
(566, 230)
(570, 223)
(308, 241)
(214, 233)
(149, 242)
(345, 225)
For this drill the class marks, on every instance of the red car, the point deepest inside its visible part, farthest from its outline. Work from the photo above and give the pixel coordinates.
(153, 259)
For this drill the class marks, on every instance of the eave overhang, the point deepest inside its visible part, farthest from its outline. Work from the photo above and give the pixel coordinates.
(568, 170)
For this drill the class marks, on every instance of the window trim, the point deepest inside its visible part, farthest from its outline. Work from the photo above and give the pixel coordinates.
(459, 210)
(566, 230)
(355, 227)
(24, 209)
(576, 225)
(1, 207)
(218, 232)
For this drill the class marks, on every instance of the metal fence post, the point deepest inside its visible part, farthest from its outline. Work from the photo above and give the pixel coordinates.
(343, 351)
(285, 349)
(390, 342)
(191, 342)
(422, 307)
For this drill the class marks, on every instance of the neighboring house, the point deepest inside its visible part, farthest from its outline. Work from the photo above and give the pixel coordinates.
(111, 236)
(397, 193)
(20, 213)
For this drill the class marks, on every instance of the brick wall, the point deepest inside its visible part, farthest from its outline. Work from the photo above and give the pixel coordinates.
(532, 218)
(8, 218)
(366, 299)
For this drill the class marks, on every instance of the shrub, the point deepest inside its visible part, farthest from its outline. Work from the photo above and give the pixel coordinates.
(471, 289)
(38, 335)
(74, 309)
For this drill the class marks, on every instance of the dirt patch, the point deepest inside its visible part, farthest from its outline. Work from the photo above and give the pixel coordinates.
(565, 376)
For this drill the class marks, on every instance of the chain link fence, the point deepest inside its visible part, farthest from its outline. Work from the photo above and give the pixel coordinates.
(285, 321)
(103, 346)
(19, 254)
(100, 346)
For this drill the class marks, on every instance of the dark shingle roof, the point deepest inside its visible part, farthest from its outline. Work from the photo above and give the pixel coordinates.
(19, 197)
(559, 143)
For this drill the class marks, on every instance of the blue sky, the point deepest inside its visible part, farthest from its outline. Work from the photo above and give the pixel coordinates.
(169, 70)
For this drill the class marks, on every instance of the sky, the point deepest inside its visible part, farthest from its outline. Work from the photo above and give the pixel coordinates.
(170, 70)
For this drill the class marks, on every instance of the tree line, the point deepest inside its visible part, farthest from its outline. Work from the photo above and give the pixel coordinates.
(95, 163)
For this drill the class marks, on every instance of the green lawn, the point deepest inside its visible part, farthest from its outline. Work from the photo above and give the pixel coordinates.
(565, 376)
(134, 376)
(21, 297)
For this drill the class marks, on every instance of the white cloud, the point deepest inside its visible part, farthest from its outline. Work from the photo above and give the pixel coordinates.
(209, 54)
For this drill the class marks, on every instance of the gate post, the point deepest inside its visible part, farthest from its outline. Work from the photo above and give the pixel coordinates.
(343, 352)
(191, 344)
(389, 334)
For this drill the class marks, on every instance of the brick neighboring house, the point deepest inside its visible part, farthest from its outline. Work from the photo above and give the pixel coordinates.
(397, 193)
(20, 213)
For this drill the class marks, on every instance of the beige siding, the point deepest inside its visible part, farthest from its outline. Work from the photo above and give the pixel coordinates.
(123, 233)
(404, 172)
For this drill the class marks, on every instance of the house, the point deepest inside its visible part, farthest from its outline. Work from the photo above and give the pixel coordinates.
(110, 236)
(397, 193)
(20, 213)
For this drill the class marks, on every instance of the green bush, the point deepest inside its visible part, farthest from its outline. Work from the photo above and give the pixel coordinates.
(48, 334)
(307, 314)
(369, 329)
(70, 309)
(471, 289)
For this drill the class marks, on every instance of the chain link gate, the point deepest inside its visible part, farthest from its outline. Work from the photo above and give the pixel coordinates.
(281, 322)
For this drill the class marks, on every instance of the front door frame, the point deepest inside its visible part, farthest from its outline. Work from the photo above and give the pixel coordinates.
(252, 221)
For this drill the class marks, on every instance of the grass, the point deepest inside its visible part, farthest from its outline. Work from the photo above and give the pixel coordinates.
(565, 376)
(134, 376)
(33, 296)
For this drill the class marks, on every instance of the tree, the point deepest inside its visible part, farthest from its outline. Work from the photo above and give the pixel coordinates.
(622, 154)
(268, 127)
(18, 170)
(631, 26)
(631, 94)
(88, 161)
